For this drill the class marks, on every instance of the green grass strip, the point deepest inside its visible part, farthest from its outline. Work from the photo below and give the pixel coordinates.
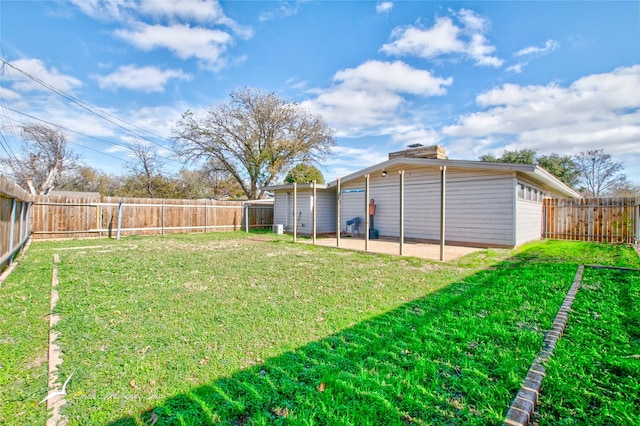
(24, 339)
(594, 376)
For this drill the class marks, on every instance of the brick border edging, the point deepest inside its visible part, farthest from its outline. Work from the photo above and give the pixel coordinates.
(524, 403)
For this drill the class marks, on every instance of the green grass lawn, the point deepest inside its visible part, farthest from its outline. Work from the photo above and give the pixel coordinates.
(253, 329)
(594, 376)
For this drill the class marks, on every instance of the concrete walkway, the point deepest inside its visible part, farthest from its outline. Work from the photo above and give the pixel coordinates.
(392, 246)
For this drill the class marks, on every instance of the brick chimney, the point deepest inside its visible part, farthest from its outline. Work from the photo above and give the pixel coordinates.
(433, 152)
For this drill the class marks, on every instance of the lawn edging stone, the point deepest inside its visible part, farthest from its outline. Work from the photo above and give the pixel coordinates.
(524, 403)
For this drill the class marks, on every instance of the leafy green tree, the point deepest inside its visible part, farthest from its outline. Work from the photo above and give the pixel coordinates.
(88, 179)
(256, 136)
(561, 166)
(302, 173)
(523, 156)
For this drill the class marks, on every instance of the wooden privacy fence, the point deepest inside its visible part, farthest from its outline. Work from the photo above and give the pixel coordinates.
(14, 220)
(612, 220)
(76, 217)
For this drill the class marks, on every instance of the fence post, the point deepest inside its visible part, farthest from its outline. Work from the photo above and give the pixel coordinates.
(246, 218)
(119, 221)
(12, 225)
(206, 215)
(21, 222)
(162, 218)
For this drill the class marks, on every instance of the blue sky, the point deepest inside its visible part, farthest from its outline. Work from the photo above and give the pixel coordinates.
(476, 77)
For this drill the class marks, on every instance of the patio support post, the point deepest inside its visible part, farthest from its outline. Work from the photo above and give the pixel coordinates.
(401, 172)
(313, 206)
(366, 212)
(443, 174)
(338, 200)
(295, 212)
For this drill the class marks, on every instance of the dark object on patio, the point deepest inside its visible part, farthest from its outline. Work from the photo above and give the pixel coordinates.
(373, 234)
(353, 226)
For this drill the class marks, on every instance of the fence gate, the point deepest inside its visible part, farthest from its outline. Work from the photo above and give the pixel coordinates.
(612, 220)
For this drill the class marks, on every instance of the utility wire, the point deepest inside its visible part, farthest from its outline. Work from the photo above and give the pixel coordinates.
(88, 107)
(84, 134)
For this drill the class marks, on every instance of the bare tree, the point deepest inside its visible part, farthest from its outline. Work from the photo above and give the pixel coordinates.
(598, 172)
(147, 166)
(256, 137)
(45, 156)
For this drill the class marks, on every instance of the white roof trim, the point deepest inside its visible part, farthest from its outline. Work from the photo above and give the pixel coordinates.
(533, 172)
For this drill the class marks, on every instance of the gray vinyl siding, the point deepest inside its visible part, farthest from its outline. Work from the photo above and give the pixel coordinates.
(325, 216)
(528, 220)
(303, 213)
(281, 211)
(352, 205)
(528, 216)
(479, 205)
(326, 212)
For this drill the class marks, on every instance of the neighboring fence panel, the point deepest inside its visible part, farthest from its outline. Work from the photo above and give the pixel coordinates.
(613, 220)
(65, 216)
(62, 217)
(14, 220)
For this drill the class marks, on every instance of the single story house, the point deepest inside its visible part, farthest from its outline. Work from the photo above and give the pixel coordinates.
(485, 204)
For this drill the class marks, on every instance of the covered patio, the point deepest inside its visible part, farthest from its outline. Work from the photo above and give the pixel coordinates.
(389, 245)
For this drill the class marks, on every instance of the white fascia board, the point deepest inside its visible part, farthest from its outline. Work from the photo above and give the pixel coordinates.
(532, 171)
(289, 186)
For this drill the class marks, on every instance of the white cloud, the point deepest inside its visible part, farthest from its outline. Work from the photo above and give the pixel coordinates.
(517, 68)
(384, 7)
(8, 94)
(146, 79)
(202, 11)
(347, 160)
(416, 135)
(184, 41)
(104, 9)
(284, 9)
(368, 98)
(445, 38)
(549, 46)
(189, 28)
(36, 72)
(595, 112)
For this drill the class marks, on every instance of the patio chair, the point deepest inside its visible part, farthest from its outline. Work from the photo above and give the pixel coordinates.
(353, 226)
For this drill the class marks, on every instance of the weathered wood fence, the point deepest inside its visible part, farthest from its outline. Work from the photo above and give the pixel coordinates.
(14, 220)
(612, 220)
(78, 217)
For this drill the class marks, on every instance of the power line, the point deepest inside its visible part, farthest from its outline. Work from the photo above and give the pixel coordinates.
(88, 107)
(82, 134)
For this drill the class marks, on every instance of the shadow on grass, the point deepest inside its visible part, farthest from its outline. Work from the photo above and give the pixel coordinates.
(457, 356)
